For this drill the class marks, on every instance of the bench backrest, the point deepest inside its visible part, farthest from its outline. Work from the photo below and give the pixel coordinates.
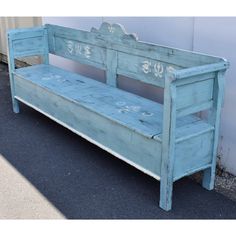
(108, 48)
(111, 49)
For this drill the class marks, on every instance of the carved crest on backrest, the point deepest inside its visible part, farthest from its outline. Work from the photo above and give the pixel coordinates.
(117, 31)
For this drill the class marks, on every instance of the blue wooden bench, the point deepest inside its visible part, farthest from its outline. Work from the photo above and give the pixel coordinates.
(166, 141)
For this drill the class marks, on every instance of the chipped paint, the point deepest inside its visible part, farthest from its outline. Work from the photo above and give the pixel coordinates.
(135, 108)
(129, 109)
(123, 110)
(57, 76)
(146, 113)
(46, 78)
(51, 76)
(158, 69)
(120, 103)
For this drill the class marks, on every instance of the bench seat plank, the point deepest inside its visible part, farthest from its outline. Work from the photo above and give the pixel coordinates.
(137, 113)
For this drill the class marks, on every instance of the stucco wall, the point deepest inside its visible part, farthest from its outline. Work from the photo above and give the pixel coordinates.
(215, 35)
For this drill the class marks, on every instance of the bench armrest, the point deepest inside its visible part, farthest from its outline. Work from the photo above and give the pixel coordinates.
(198, 70)
(27, 42)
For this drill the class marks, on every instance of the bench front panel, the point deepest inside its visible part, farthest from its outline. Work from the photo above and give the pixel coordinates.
(142, 152)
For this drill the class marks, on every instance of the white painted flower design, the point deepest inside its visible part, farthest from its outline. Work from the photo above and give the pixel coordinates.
(170, 69)
(146, 67)
(158, 69)
(78, 49)
(87, 51)
(111, 29)
(70, 46)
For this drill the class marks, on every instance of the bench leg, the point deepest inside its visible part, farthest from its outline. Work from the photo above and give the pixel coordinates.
(208, 178)
(166, 188)
(214, 117)
(15, 105)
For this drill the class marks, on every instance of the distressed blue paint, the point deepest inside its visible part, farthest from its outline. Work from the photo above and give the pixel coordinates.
(142, 115)
(165, 141)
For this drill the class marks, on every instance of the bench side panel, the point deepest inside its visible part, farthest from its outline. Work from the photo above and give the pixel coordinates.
(28, 42)
(194, 97)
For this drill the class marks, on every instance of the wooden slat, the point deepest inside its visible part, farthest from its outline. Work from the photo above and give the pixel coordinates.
(24, 33)
(194, 94)
(189, 130)
(195, 108)
(195, 78)
(198, 70)
(194, 97)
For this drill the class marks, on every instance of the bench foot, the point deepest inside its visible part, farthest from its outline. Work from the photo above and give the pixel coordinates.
(15, 106)
(208, 180)
(166, 196)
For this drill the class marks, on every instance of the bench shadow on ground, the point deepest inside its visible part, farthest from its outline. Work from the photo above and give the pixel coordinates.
(84, 182)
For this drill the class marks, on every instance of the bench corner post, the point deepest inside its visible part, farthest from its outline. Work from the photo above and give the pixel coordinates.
(11, 66)
(168, 144)
(208, 180)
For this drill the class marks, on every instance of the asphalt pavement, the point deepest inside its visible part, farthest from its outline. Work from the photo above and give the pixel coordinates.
(78, 180)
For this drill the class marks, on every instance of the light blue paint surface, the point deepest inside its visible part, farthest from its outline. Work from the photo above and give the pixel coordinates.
(161, 140)
(135, 112)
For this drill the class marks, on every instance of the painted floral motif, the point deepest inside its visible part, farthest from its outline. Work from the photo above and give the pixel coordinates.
(146, 67)
(157, 68)
(111, 29)
(87, 51)
(78, 49)
(170, 69)
(70, 46)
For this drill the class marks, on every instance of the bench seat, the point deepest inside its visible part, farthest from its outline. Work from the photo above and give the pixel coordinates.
(132, 111)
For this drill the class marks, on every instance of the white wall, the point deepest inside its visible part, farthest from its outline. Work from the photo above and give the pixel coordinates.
(216, 36)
